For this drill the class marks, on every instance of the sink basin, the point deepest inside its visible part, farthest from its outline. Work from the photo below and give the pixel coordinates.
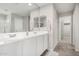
(12, 35)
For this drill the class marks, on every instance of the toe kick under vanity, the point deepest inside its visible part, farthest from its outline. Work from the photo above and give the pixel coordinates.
(23, 43)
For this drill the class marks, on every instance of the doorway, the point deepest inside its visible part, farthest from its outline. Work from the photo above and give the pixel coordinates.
(65, 46)
(65, 28)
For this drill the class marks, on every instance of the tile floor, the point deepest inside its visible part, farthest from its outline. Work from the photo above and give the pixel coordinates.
(65, 49)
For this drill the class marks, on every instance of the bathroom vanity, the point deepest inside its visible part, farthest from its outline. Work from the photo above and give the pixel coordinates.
(19, 38)
(23, 43)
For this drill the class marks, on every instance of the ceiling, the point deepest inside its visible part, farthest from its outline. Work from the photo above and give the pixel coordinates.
(64, 7)
(20, 8)
(24, 8)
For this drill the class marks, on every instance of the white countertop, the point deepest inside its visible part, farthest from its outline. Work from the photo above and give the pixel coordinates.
(5, 39)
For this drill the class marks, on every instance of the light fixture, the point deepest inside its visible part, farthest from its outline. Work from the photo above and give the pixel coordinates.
(30, 4)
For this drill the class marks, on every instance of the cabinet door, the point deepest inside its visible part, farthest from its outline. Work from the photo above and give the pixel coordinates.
(19, 48)
(8, 49)
(40, 45)
(2, 50)
(45, 42)
(29, 47)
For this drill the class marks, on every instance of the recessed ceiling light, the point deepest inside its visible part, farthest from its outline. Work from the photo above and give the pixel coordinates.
(30, 4)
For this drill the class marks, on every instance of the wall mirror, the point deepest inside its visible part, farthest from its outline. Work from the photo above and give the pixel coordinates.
(15, 17)
(10, 23)
(19, 23)
(3, 23)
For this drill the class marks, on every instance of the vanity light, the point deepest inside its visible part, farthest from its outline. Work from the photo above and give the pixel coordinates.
(30, 4)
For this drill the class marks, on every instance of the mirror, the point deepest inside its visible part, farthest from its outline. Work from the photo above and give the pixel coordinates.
(11, 22)
(3, 23)
(19, 23)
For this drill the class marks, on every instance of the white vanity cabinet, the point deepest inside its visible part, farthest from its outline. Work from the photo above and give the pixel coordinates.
(29, 47)
(40, 45)
(45, 41)
(35, 46)
(19, 48)
(9, 49)
(2, 50)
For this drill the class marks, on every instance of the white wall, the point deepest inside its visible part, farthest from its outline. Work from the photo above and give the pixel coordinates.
(55, 28)
(76, 27)
(52, 23)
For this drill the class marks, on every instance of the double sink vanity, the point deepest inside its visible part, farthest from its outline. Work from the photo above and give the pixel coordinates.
(22, 35)
(23, 43)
